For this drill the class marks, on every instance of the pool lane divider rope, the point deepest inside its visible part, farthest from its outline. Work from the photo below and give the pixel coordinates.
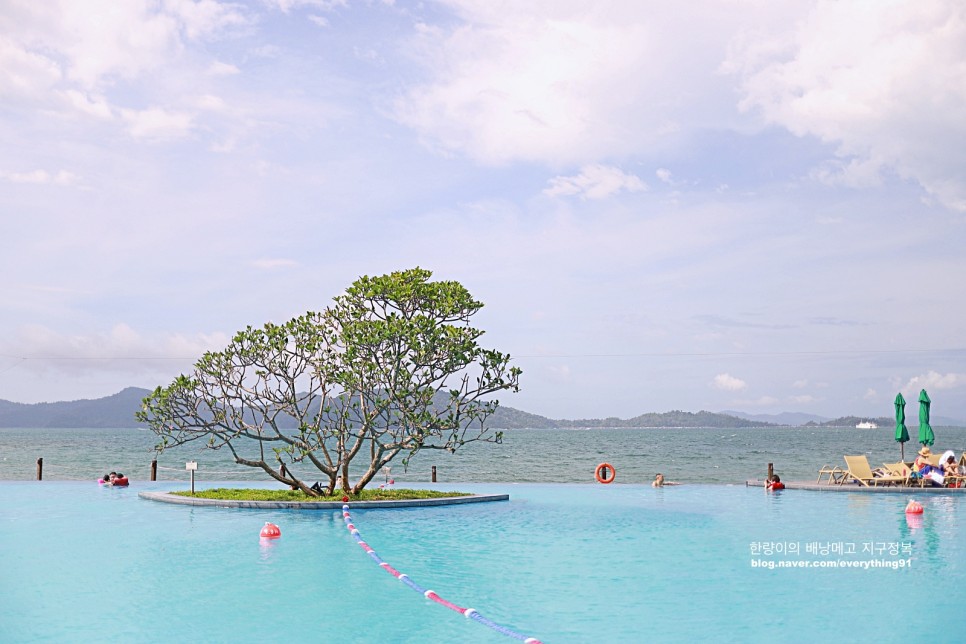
(469, 613)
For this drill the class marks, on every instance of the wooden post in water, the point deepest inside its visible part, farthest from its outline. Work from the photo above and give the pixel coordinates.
(434, 473)
(40, 468)
(284, 472)
(154, 470)
(771, 471)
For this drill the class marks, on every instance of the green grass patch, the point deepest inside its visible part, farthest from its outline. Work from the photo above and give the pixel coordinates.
(248, 494)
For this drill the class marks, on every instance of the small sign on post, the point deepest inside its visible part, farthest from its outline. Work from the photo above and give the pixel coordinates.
(191, 466)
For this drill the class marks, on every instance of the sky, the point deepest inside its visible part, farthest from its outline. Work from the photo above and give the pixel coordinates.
(752, 205)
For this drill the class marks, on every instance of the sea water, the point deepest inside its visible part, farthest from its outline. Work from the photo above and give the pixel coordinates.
(697, 455)
(558, 562)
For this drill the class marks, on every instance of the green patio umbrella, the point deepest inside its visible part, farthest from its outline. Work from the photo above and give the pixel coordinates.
(902, 434)
(926, 437)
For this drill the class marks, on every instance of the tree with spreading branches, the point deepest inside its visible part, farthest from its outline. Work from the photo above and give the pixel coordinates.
(392, 367)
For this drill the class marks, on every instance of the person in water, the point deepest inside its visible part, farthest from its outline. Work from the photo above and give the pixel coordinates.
(115, 478)
(660, 482)
(775, 483)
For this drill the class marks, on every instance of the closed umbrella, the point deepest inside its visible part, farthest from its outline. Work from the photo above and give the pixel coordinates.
(902, 433)
(926, 436)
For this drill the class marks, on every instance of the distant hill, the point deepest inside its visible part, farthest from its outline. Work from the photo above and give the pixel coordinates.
(792, 419)
(118, 411)
(112, 411)
(667, 419)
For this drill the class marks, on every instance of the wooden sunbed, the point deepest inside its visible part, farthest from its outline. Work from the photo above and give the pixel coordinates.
(858, 470)
(834, 474)
(900, 470)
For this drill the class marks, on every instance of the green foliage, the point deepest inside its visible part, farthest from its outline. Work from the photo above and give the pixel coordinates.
(392, 367)
(250, 494)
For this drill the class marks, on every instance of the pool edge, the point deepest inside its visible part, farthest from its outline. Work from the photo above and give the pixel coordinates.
(850, 487)
(166, 497)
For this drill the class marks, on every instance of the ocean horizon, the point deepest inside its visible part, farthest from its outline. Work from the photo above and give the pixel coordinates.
(687, 455)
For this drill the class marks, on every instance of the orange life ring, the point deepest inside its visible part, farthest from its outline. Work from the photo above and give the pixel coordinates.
(602, 467)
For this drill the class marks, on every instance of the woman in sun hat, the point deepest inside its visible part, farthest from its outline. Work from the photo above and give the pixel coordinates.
(923, 468)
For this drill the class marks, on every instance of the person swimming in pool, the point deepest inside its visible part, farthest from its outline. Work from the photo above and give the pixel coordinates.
(115, 478)
(775, 483)
(660, 482)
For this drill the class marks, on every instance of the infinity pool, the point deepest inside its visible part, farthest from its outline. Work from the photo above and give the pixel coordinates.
(561, 563)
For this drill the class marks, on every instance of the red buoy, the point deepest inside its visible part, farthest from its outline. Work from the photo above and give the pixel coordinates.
(914, 507)
(270, 531)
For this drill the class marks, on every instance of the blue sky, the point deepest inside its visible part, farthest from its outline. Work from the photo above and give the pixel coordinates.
(750, 204)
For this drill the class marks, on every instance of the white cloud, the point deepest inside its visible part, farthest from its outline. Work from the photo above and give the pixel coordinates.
(549, 81)
(219, 68)
(664, 175)
(100, 38)
(803, 400)
(25, 74)
(870, 394)
(205, 17)
(69, 57)
(319, 20)
(557, 81)
(121, 349)
(800, 384)
(595, 182)
(727, 382)
(269, 263)
(211, 103)
(34, 176)
(88, 104)
(885, 82)
(935, 380)
(157, 124)
(62, 178)
(323, 5)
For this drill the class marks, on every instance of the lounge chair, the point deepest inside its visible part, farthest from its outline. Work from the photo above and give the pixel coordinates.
(834, 474)
(859, 470)
(899, 469)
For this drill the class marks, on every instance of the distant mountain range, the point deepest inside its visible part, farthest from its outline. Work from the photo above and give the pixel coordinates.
(784, 418)
(118, 411)
(795, 419)
(112, 411)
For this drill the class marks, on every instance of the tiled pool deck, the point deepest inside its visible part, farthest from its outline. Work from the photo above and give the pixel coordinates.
(857, 487)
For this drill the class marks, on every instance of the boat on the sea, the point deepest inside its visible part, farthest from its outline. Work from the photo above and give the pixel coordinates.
(866, 424)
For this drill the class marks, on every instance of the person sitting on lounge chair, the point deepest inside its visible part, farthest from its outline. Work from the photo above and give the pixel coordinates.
(922, 468)
(950, 467)
(922, 464)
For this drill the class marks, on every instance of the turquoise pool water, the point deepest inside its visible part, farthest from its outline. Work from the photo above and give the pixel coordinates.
(559, 562)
